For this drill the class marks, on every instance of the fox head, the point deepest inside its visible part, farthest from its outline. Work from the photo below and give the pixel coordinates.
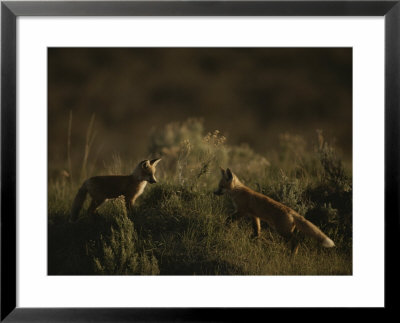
(227, 182)
(146, 170)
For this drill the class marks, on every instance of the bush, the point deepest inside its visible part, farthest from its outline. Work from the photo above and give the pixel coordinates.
(101, 245)
(192, 157)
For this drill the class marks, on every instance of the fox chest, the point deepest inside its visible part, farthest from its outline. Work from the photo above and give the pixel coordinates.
(138, 190)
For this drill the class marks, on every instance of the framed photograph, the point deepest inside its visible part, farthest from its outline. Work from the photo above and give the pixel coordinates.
(197, 160)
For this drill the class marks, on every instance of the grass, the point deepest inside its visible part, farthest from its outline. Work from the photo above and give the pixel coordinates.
(178, 227)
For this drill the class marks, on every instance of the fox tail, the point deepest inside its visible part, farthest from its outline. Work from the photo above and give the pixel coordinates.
(78, 202)
(310, 229)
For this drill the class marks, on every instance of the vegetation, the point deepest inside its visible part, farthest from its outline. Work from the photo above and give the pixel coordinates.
(179, 227)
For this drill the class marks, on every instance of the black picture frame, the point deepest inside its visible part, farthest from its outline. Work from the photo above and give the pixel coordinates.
(10, 10)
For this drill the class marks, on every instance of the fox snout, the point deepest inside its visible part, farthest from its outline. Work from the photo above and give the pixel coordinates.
(152, 181)
(218, 192)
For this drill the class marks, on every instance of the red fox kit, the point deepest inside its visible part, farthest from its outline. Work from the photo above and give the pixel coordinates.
(258, 206)
(101, 188)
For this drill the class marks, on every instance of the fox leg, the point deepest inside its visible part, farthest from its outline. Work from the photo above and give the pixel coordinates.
(256, 226)
(294, 241)
(291, 240)
(235, 216)
(294, 244)
(128, 202)
(93, 206)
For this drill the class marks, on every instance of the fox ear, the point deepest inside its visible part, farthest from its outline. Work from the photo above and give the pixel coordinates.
(154, 162)
(222, 171)
(144, 164)
(229, 174)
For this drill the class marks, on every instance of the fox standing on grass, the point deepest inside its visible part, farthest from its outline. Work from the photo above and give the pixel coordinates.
(278, 216)
(101, 188)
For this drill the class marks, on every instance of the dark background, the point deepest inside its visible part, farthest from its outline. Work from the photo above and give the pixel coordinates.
(252, 95)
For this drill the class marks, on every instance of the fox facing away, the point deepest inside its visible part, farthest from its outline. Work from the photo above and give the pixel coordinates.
(261, 207)
(101, 188)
